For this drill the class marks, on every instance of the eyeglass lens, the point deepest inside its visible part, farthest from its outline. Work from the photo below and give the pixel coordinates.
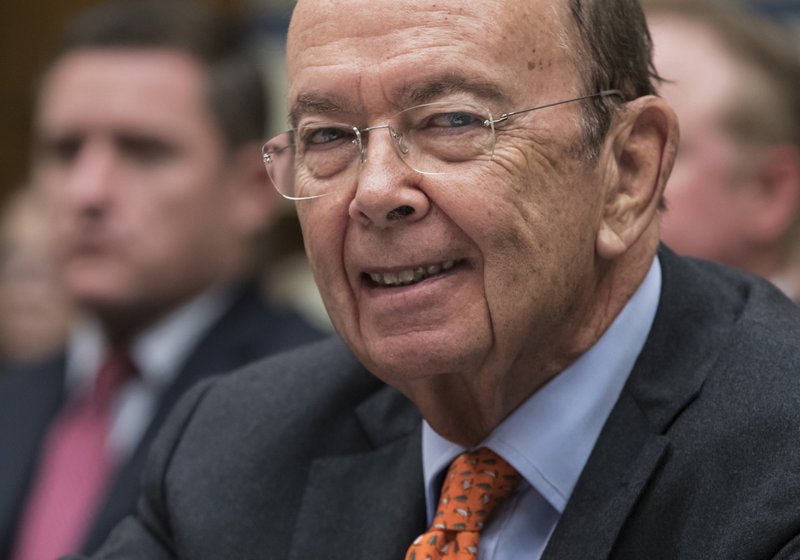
(433, 138)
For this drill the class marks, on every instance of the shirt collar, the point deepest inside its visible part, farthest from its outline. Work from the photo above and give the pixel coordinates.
(158, 352)
(548, 439)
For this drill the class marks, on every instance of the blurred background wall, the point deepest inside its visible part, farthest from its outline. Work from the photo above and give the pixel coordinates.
(28, 28)
(787, 11)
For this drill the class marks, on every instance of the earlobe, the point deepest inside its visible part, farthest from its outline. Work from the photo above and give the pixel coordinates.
(639, 154)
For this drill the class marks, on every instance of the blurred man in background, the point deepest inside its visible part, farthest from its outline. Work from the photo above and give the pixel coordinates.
(148, 130)
(734, 195)
(35, 309)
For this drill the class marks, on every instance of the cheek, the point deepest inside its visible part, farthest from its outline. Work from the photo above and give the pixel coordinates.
(52, 186)
(174, 212)
(538, 229)
(704, 167)
(179, 213)
(532, 260)
(540, 205)
(701, 200)
(315, 222)
(320, 252)
(695, 186)
(323, 224)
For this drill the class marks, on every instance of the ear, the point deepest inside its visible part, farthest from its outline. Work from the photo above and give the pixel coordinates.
(775, 194)
(253, 199)
(638, 156)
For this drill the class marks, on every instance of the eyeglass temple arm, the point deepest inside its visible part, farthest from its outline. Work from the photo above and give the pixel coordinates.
(605, 93)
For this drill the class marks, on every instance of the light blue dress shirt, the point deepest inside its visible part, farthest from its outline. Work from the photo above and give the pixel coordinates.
(549, 438)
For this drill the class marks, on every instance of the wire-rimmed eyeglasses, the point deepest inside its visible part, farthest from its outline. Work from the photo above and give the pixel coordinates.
(307, 162)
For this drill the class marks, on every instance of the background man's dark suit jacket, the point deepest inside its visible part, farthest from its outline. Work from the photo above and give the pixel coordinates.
(308, 456)
(30, 398)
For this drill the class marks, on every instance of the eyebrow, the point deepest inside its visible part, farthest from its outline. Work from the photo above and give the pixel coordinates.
(441, 86)
(317, 103)
(408, 95)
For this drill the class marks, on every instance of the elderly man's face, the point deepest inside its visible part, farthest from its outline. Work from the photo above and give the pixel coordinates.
(507, 246)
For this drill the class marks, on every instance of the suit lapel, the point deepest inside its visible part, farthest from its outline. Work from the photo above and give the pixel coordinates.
(23, 423)
(625, 457)
(366, 505)
(232, 341)
(680, 351)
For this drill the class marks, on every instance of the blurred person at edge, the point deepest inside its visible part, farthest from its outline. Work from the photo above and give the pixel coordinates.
(35, 309)
(148, 128)
(734, 81)
(479, 184)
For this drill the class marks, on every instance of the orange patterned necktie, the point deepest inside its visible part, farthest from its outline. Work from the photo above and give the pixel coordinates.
(475, 483)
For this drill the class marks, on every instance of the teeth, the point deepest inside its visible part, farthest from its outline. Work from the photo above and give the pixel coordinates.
(410, 276)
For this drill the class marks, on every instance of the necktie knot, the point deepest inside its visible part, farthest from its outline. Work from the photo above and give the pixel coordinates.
(116, 369)
(476, 482)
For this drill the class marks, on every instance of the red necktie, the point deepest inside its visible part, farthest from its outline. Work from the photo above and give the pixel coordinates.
(475, 483)
(74, 469)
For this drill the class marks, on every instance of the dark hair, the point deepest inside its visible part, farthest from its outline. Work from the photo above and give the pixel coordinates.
(236, 92)
(614, 51)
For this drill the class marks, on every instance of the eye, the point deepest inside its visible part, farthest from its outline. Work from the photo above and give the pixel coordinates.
(453, 119)
(146, 150)
(62, 150)
(324, 137)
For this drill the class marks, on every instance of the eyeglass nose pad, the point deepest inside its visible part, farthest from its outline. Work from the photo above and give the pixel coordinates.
(357, 142)
(400, 142)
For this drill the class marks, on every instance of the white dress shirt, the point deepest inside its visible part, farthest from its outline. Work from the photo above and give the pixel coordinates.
(549, 438)
(159, 354)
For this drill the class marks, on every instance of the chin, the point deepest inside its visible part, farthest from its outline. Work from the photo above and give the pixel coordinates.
(97, 293)
(416, 356)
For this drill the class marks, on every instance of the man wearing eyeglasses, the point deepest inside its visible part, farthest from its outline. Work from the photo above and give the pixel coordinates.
(524, 372)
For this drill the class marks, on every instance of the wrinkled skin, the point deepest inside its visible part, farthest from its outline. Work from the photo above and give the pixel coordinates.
(529, 230)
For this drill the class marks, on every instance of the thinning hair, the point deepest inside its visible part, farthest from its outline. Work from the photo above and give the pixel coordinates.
(236, 93)
(614, 50)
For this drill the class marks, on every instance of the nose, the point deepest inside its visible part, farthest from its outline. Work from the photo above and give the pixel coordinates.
(88, 182)
(387, 193)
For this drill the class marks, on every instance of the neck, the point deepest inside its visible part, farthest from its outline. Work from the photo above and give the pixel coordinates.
(465, 407)
(122, 324)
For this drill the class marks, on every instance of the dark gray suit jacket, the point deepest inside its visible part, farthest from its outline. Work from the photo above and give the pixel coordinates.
(31, 397)
(308, 456)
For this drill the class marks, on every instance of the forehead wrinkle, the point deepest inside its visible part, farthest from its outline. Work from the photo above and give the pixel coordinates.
(408, 95)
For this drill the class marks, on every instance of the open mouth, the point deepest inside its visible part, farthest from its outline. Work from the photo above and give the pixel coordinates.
(410, 276)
